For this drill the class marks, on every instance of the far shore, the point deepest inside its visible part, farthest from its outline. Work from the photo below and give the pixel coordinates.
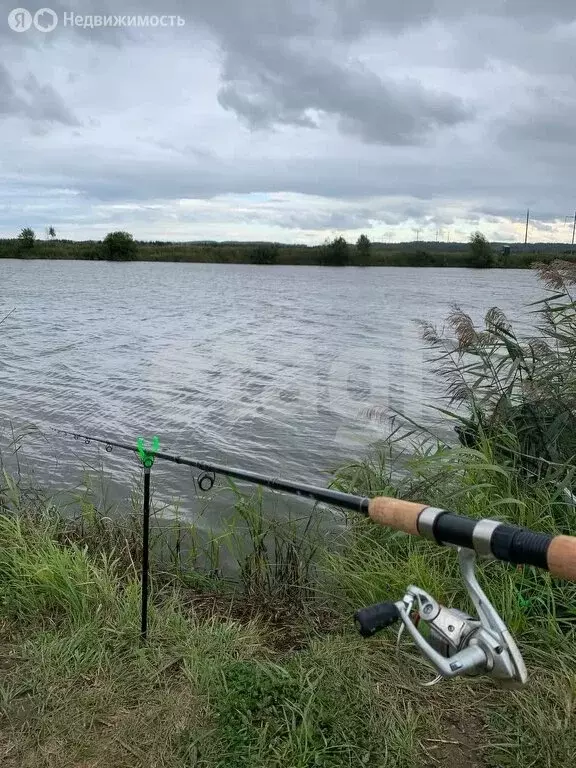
(413, 254)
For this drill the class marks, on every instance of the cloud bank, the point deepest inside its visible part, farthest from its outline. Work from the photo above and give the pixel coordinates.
(292, 120)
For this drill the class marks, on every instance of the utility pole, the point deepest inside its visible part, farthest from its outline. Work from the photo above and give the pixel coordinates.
(527, 220)
(573, 230)
(417, 235)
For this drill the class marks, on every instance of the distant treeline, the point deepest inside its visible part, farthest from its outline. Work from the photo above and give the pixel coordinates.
(120, 246)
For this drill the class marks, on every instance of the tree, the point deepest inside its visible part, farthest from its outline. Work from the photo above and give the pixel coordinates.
(51, 233)
(119, 246)
(335, 253)
(480, 252)
(363, 247)
(264, 254)
(26, 238)
(421, 258)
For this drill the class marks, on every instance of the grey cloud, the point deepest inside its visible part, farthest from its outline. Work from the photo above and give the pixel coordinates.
(44, 103)
(258, 18)
(356, 17)
(321, 220)
(269, 80)
(135, 177)
(33, 100)
(550, 11)
(276, 215)
(269, 86)
(484, 42)
(9, 102)
(549, 123)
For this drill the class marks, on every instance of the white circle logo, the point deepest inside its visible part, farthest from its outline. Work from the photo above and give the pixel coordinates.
(19, 20)
(45, 20)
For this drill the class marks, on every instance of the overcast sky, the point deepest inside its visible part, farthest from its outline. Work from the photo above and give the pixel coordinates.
(292, 120)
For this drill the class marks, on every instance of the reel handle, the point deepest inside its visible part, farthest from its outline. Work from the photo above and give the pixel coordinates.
(376, 617)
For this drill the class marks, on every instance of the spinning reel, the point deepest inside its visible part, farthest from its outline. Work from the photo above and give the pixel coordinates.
(452, 641)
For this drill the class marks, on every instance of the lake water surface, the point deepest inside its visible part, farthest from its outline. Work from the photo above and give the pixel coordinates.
(270, 368)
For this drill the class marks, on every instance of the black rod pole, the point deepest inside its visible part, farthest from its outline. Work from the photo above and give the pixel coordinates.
(145, 554)
(344, 500)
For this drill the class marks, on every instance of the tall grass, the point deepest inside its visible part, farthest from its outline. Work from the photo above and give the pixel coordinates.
(77, 686)
(519, 394)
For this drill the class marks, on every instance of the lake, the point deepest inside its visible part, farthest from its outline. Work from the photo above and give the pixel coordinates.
(286, 370)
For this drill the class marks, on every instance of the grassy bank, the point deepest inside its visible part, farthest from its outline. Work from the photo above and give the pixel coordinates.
(270, 672)
(265, 669)
(379, 254)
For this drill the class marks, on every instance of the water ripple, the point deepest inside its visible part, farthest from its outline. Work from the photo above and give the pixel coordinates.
(274, 368)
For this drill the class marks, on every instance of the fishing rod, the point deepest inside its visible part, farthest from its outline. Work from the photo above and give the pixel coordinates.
(326, 495)
(456, 643)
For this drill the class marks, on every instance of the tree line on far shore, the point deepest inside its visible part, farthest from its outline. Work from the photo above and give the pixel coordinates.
(121, 246)
(338, 252)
